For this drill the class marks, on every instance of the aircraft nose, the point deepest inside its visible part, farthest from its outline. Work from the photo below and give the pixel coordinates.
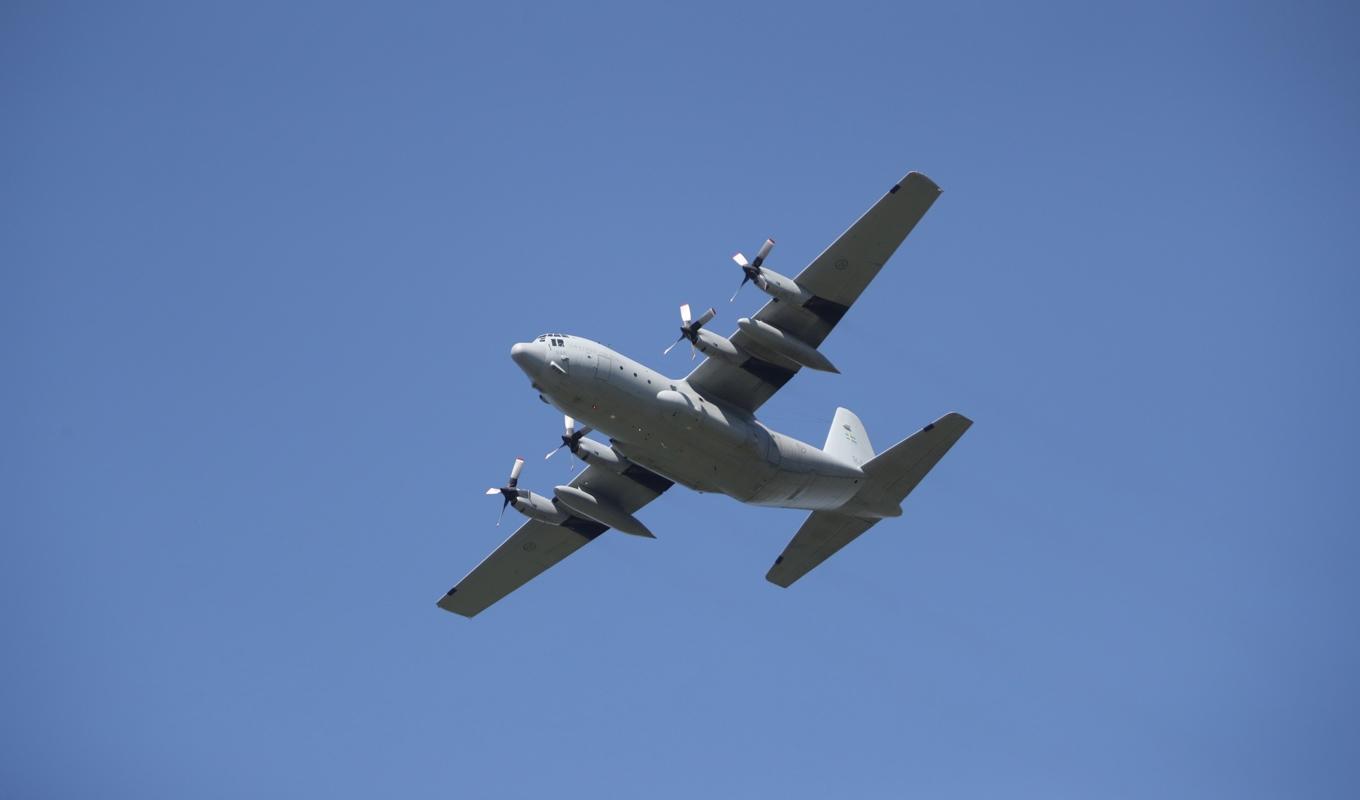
(526, 356)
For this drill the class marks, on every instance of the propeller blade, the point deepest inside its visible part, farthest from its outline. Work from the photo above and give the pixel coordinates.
(684, 314)
(741, 260)
(764, 251)
(587, 429)
(706, 318)
(672, 347)
(744, 279)
(515, 471)
(553, 451)
(567, 425)
(493, 491)
(502, 514)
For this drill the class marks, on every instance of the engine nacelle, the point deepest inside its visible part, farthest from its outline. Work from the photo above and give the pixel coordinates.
(786, 344)
(782, 287)
(593, 452)
(603, 512)
(711, 344)
(536, 506)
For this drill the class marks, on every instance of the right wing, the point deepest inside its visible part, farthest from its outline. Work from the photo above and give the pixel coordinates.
(836, 278)
(539, 545)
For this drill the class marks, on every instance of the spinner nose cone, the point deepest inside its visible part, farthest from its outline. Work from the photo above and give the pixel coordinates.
(527, 356)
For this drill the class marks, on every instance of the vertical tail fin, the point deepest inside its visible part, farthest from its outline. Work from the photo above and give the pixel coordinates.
(847, 439)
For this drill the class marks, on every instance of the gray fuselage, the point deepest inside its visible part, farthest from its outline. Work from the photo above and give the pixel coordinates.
(664, 425)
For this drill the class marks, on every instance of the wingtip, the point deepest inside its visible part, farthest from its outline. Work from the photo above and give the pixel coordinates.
(772, 577)
(446, 604)
(917, 181)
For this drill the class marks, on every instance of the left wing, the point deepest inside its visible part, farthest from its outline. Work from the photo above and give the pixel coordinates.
(538, 545)
(836, 278)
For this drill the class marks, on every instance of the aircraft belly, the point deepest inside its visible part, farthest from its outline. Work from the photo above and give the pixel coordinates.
(807, 490)
(661, 425)
(698, 458)
(684, 449)
(746, 462)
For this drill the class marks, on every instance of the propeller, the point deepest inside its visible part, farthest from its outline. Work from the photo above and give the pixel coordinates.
(689, 329)
(752, 268)
(509, 490)
(571, 439)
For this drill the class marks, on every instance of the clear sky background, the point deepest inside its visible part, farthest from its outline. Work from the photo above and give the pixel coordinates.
(261, 268)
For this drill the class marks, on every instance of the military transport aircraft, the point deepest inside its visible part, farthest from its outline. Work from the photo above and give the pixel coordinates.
(700, 431)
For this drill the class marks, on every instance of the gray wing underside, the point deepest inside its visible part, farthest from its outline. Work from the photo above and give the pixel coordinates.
(521, 558)
(837, 277)
(536, 546)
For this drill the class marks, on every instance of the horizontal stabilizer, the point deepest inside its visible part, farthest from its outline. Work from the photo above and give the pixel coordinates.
(891, 476)
(821, 536)
(896, 471)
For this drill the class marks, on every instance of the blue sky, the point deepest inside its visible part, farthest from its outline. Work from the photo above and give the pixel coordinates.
(262, 268)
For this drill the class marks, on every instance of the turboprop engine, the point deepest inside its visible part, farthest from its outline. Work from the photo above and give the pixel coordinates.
(780, 287)
(534, 506)
(588, 450)
(702, 340)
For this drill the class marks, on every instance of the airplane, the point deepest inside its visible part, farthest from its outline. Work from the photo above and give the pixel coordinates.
(701, 431)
